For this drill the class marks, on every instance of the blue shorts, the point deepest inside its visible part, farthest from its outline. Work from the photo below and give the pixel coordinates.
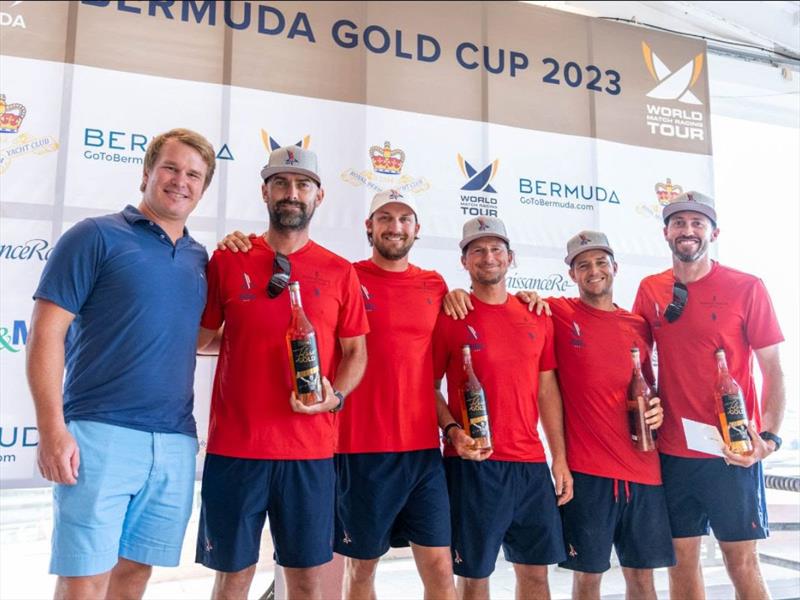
(509, 504)
(132, 500)
(703, 492)
(237, 495)
(390, 499)
(631, 516)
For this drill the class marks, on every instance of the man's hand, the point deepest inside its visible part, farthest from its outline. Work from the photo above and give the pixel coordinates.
(465, 446)
(563, 481)
(655, 416)
(457, 304)
(236, 241)
(58, 457)
(329, 401)
(534, 302)
(761, 450)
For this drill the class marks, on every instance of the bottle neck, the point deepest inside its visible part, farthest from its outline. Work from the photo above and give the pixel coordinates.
(722, 363)
(466, 357)
(636, 360)
(294, 297)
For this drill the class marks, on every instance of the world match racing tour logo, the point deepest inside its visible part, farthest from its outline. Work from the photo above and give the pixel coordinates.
(668, 120)
(386, 172)
(483, 201)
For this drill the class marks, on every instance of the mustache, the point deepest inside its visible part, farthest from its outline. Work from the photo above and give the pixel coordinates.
(283, 203)
(689, 238)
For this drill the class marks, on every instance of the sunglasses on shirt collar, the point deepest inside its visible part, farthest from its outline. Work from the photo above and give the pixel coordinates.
(281, 271)
(680, 294)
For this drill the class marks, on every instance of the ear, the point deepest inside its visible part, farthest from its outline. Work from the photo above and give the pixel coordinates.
(572, 275)
(616, 266)
(145, 177)
(665, 232)
(320, 197)
(463, 261)
(715, 234)
(368, 225)
(416, 230)
(264, 192)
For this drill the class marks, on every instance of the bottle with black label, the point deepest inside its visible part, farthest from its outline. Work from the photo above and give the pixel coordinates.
(731, 409)
(301, 341)
(476, 415)
(639, 395)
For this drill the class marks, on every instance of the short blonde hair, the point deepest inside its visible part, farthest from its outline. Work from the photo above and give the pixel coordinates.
(184, 136)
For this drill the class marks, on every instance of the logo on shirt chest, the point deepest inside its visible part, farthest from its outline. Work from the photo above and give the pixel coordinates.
(713, 306)
(247, 290)
(369, 305)
(577, 336)
(473, 339)
(527, 326)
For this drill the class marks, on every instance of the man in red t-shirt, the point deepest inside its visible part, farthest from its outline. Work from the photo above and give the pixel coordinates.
(268, 453)
(390, 478)
(695, 308)
(503, 496)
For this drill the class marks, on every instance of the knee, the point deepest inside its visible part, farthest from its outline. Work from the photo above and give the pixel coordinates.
(129, 570)
(361, 571)
(742, 563)
(534, 575)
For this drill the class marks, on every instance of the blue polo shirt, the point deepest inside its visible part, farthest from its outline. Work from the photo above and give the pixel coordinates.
(137, 301)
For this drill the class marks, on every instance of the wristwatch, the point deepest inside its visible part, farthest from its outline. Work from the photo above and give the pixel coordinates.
(447, 429)
(769, 436)
(339, 406)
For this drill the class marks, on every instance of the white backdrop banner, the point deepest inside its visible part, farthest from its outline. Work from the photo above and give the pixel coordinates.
(551, 121)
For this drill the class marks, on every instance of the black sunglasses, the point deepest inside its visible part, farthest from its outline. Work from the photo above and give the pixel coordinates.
(679, 297)
(281, 270)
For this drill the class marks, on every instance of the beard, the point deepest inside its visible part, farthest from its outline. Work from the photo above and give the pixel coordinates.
(393, 252)
(688, 257)
(489, 279)
(282, 218)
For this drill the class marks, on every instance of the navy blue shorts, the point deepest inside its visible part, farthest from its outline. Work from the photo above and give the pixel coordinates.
(630, 516)
(509, 504)
(390, 499)
(237, 495)
(703, 492)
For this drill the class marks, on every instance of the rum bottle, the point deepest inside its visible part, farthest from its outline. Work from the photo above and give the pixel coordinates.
(476, 415)
(731, 409)
(301, 341)
(639, 395)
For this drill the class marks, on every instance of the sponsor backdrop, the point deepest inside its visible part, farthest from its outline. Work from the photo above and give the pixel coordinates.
(551, 121)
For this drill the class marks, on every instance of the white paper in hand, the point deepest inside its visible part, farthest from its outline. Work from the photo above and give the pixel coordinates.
(702, 437)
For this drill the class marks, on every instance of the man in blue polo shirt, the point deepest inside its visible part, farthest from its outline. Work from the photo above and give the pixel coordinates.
(119, 305)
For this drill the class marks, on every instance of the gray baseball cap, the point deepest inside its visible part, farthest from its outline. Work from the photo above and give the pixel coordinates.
(483, 227)
(694, 201)
(292, 159)
(586, 240)
(388, 196)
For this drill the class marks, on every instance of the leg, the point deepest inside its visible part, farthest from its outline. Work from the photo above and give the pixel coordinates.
(359, 581)
(639, 584)
(233, 586)
(92, 587)
(303, 584)
(473, 589)
(435, 568)
(128, 580)
(531, 582)
(686, 577)
(586, 586)
(741, 561)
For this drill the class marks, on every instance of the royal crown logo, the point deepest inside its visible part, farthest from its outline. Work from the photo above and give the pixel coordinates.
(11, 115)
(387, 160)
(665, 192)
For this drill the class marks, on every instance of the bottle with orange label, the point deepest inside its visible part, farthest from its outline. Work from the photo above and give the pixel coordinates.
(476, 414)
(301, 341)
(639, 395)
(731, 409)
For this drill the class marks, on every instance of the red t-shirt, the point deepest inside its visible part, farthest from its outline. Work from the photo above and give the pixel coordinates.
(725, 309)
(510, 347)
(393, 409)
(593, 348)
(250, 412)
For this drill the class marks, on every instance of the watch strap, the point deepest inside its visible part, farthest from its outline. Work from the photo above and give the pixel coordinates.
(769, 436)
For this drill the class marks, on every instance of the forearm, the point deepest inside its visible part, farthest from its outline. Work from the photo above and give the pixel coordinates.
(551, 414)
(45, 372)
(351, 368)
(443, 414)
(209, 341)
(773, 400)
